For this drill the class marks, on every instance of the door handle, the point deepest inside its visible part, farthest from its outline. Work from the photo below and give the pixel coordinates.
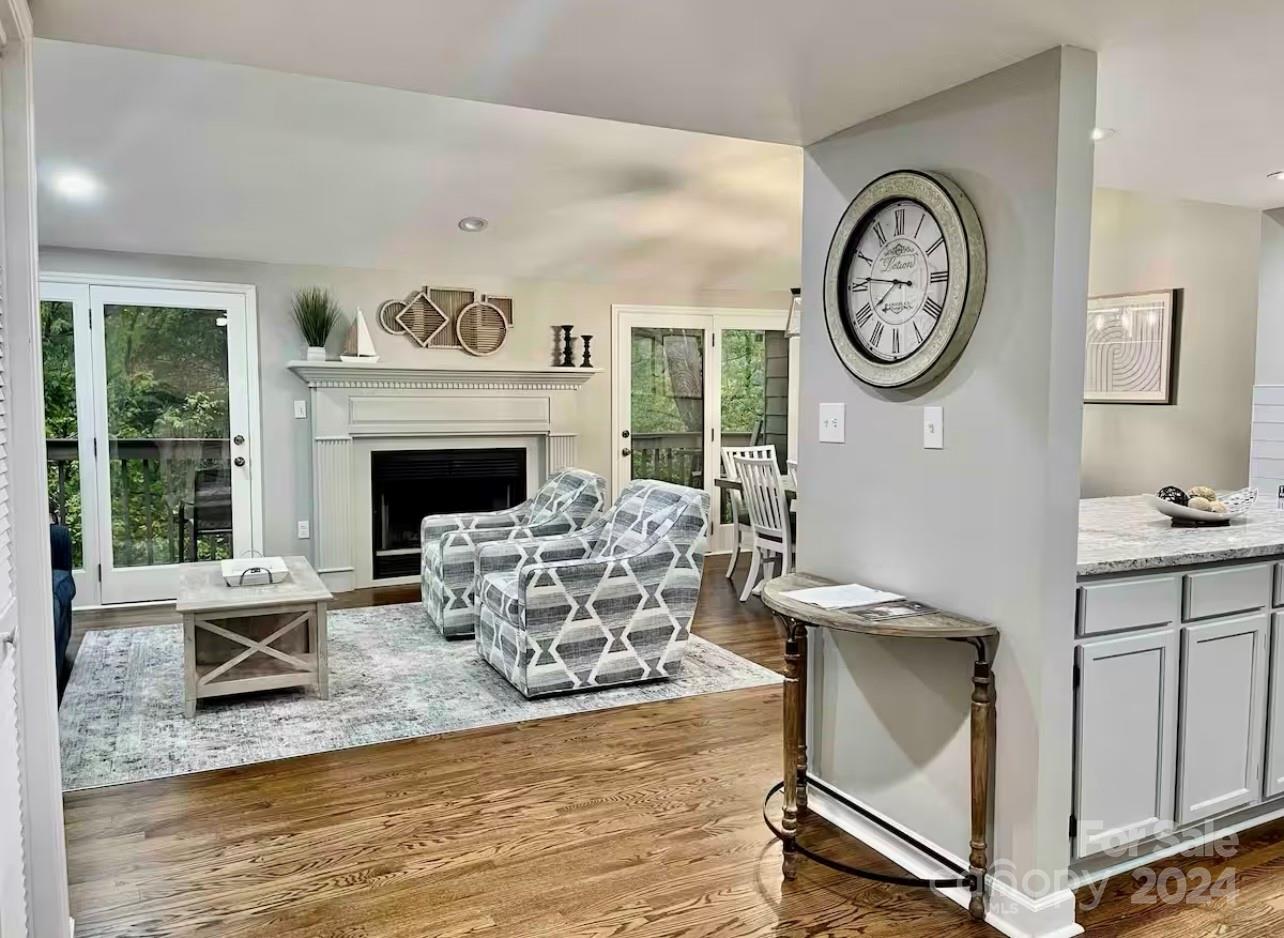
(625, 434)
(238, 461)
(626, 452)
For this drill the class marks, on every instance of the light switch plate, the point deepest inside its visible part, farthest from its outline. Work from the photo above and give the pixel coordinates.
(301, 410)
(305, 530)
(933, 428)
(833, 420)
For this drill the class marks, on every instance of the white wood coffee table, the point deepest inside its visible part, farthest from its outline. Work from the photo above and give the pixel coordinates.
(252, 638)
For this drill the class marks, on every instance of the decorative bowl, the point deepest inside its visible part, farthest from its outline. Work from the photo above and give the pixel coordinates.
(1237, 503)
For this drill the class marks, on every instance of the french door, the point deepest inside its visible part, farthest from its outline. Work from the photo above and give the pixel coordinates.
(148, 394)
(689, 382)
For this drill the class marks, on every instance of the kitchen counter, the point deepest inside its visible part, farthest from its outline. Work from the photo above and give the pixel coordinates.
(1117, 535)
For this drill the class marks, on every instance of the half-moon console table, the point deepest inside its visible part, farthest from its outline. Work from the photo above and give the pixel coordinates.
(796, 617)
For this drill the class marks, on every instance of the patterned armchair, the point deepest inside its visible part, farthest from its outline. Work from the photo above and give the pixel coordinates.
(610, 604)
(566, 502)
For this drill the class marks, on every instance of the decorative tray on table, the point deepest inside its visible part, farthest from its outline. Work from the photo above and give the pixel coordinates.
(1176, 504)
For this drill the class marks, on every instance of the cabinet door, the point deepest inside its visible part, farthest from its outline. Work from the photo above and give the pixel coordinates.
(1223, 709)
(1125, 739)
(1275, 712)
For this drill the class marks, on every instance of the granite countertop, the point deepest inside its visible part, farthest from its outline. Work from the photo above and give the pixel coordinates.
(1117, 535)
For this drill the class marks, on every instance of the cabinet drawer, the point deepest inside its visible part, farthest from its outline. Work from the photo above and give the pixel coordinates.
(1278, 598)
(1137, 603)
(1225, 591)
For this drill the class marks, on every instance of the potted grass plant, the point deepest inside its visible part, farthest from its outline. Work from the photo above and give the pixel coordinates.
(315, 313)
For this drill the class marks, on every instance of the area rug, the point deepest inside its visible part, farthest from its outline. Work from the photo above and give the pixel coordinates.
(392, 676)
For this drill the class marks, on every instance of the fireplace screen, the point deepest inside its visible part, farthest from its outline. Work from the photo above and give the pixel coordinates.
(406, 485)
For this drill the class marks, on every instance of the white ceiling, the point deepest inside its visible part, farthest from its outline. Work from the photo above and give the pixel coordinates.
(208, 159)
(1192, 86)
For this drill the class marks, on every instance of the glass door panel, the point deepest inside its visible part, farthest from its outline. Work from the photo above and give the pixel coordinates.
(667, 405)
(66, 357)
(754, 394)
(169, 434)
(173, 415)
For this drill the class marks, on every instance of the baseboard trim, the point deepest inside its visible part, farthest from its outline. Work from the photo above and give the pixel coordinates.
(1008, 909)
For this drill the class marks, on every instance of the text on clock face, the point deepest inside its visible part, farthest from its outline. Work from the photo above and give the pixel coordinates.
(897, 279)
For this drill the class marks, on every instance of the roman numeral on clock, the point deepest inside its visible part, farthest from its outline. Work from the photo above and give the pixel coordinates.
(878, 232)
(860, 286)
(864, 258)
(933, 308)
(918, 333)
(876, 334)
(922, 218)
(900, 222)
(935, 244)
(862, 315)
(939, 276)
(896, 341)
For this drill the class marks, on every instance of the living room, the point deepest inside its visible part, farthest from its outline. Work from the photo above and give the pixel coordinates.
(428, 418)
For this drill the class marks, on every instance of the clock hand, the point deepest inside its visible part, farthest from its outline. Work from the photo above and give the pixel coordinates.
(907, 283)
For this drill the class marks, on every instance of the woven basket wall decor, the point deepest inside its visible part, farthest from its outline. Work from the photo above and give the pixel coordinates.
(441, 318)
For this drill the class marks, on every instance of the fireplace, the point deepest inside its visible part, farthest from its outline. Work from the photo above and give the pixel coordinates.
(406, 485)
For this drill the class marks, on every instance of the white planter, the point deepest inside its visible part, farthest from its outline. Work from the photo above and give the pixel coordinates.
(316, 353)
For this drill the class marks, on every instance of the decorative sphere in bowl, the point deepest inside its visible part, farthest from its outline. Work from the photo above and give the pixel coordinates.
(1171, 493)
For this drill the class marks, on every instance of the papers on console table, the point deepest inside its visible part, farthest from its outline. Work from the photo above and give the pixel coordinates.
(844, 596)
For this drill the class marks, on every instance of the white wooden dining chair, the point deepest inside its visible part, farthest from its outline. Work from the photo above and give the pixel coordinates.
(768, 506)
(741, 531)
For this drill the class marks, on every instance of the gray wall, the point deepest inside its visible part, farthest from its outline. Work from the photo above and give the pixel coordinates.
(538, 306)
(1141, 243)
(987, 526)
(1270, 309)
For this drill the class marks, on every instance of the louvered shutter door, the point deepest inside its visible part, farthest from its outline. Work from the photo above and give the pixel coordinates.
(13, 892)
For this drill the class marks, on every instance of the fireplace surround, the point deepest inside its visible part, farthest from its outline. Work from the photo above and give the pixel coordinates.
(361, 409)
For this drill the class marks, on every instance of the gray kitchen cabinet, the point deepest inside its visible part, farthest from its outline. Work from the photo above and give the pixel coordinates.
(1223, 716)
(1275, 713)
(1125, 739)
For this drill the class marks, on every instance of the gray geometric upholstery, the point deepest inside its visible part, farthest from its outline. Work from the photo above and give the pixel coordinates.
(610, 604)
(566, 502)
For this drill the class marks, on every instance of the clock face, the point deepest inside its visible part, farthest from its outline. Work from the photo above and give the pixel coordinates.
(904, 279)
(896, 277)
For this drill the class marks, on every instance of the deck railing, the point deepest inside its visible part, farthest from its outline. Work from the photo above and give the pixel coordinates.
(171, 499)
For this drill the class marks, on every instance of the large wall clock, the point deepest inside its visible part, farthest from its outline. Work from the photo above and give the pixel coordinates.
(904, 279)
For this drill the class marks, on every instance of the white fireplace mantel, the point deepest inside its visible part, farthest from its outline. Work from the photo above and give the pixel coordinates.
(360, 407)
(379, 375)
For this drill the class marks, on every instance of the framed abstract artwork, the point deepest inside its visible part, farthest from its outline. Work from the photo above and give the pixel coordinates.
(1131, 351)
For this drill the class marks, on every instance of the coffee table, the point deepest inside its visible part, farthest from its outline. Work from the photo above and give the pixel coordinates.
(239, 639)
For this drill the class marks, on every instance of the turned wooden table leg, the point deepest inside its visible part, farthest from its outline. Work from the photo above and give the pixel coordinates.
(793, 704)
(800, 722)
(983, 744)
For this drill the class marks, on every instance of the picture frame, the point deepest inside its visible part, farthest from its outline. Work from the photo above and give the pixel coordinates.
(1130, 348)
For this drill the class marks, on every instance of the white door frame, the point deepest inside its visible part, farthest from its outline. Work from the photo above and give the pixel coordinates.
(77, 294)
(44, 851)
(101, 285)
(712, 320)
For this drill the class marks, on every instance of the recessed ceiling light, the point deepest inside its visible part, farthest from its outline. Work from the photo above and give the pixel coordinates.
(73, 184)
(473, 223)
(1101, 133)
(1278, 175)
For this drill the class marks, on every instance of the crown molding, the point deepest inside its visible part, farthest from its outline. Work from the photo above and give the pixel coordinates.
(378, 375)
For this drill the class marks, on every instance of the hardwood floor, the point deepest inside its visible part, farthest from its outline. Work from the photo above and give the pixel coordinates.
(641, 821)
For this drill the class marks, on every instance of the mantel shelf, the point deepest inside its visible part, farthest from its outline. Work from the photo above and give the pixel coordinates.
(335, 374)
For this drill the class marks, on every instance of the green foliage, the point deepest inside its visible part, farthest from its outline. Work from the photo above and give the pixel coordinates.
(315, 313)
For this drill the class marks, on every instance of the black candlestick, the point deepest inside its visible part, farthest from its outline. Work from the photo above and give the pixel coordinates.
(568, 360)
(588, 362)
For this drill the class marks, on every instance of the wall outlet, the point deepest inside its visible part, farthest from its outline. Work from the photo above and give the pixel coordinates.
(933, 428)
(305, 530)
(301, 410)
(833, 421)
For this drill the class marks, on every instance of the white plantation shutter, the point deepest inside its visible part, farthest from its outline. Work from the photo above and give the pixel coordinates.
(13, 891)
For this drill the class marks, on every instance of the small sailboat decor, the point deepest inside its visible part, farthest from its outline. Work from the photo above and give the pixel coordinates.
(359, 346)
